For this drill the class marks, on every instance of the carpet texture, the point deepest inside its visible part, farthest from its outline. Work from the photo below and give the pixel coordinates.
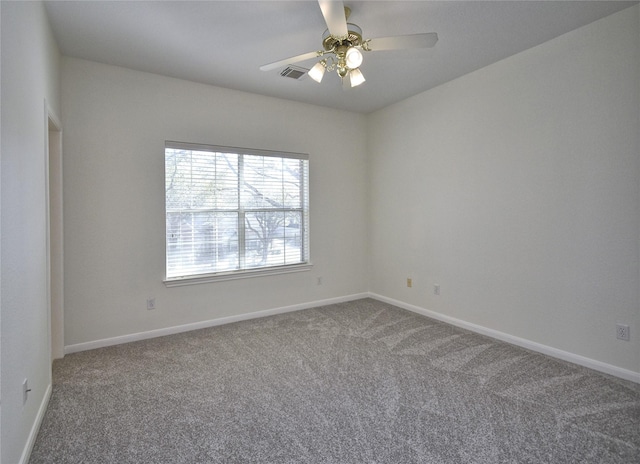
(356, 382)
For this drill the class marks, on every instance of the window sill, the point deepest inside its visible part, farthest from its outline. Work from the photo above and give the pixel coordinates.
(234, 275)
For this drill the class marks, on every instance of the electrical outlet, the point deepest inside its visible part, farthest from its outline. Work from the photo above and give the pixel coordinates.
(409, 282)
(622, 332)
(436, 289)
(151, 303)
(25, 391)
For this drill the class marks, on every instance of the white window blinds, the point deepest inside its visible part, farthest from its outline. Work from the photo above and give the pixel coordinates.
(232, 209)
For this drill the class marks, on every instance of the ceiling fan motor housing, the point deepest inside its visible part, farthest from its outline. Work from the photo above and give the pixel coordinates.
(353, 38)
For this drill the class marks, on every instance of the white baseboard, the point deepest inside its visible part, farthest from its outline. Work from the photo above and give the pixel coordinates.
(35, 428)
(134, 337)
(538, 347)
(544, 349)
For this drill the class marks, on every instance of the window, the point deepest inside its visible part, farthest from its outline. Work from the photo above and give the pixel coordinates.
(232, 211)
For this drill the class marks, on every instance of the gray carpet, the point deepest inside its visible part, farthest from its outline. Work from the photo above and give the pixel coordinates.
(357, 382)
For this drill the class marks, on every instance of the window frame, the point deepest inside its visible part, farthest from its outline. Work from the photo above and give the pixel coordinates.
(250, 272)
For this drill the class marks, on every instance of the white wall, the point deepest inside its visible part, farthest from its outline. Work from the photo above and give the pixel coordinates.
(516, 188)
(30, 73)
(116, 122)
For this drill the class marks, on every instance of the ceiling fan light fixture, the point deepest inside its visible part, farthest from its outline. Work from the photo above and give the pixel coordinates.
(353, 58)
(317, 72)
(356, 77)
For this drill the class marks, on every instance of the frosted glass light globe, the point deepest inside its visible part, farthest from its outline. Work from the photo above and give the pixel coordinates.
(353, 58)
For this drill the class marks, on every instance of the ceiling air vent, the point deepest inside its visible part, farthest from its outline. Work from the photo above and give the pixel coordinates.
(294, 72)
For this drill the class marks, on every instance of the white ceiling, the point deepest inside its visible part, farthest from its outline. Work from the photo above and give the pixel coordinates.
(223, 43)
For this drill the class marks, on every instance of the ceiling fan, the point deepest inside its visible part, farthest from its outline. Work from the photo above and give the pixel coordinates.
(343, 44)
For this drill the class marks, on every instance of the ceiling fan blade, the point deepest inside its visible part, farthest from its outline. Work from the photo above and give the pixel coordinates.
(333, 12)
(426, 40)
(293, 59)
